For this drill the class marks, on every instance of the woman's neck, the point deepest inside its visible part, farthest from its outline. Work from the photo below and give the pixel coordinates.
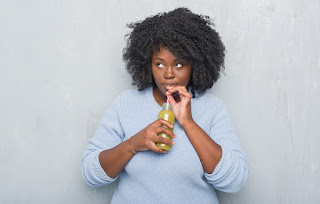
(158, 96)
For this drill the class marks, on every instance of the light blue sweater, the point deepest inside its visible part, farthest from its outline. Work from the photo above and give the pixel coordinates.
(176, 176)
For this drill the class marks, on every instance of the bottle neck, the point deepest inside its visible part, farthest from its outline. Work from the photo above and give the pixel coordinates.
(166, 106)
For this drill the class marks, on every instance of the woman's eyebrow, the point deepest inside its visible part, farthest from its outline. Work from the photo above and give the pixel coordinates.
(159, 58)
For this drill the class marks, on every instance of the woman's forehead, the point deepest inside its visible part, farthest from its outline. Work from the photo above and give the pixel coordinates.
(166, 52)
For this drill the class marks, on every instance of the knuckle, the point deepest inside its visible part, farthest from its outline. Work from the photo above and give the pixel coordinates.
(149, 132)
(171, 134)
(168, 132)
(170, 142)
(156, 149)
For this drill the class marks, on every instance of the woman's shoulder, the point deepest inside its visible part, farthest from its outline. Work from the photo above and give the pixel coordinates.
(131, 93)
(210, 104)
(130, 96)
(124, 100)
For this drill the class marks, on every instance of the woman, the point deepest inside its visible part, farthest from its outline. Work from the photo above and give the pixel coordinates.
(176, 55)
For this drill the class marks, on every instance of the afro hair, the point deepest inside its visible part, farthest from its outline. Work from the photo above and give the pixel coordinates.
(188, 36)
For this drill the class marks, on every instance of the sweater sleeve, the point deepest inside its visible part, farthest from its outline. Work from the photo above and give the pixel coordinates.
(108, 134)
(232, 170)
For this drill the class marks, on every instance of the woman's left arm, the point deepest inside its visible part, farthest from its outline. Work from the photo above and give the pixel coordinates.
(208, 151)
(222, 159)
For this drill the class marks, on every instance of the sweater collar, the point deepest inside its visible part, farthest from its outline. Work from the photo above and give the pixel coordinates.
(151, 99)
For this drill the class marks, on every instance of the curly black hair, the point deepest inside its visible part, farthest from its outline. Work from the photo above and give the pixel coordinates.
(187, 35)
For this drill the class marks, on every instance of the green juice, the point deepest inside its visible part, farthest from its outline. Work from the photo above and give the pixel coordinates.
(166, 114)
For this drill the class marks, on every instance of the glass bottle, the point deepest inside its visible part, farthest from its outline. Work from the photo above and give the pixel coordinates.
(166, 114)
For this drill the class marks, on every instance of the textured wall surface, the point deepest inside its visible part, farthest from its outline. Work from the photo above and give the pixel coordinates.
(60, 67)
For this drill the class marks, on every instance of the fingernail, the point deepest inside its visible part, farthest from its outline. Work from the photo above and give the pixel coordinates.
(173, 143)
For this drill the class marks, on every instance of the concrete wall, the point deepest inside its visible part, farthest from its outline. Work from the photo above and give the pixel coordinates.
(60, 68)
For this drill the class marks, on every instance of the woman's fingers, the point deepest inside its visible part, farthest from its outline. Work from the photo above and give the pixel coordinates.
(173, 89)
(160, 139)
(157, 149)
(182, 90)
(172, 100)
(163, 129)
(185, 93)
(161, 121)
(149, 136)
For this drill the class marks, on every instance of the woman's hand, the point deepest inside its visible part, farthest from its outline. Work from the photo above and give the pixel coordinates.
(147, 137)
(181, 109)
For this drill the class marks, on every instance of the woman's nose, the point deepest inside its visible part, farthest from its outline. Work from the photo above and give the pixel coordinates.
(169, 74)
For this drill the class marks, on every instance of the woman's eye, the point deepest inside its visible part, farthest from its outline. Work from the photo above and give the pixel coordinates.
(159, 65)
(179, 65)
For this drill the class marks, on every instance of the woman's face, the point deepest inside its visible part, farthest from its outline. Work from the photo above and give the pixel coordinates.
(167, 70)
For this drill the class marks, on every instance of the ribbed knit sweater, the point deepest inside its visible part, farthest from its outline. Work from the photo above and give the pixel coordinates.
(176, 176)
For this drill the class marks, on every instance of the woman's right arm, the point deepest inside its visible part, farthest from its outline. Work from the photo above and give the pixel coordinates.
(107, 154)
(114, 160)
